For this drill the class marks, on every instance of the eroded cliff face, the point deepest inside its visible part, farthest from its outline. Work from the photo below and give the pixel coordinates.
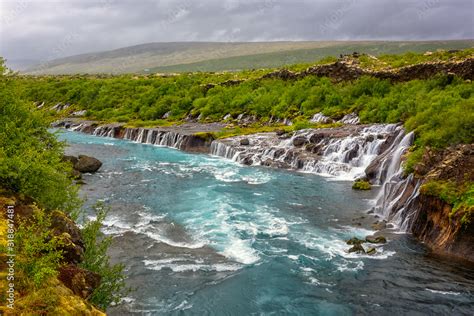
(442, 232)
(435, 223)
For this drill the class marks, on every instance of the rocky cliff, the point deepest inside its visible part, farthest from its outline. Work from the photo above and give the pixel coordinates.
(349, 69)
(436, 223)
(65, 294)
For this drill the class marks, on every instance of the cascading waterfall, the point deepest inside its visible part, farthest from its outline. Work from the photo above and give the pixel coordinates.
(343, 153)
(344, 157)
(138, 135)
(398, 192)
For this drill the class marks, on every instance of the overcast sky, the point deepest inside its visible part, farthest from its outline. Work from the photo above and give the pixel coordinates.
(45, 29)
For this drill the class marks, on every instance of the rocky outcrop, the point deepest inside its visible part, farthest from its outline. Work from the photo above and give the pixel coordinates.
(435, 223)
(82, 282)
(443, 232)
(67, 231)
(347, 70)
(430, 218)
(73, 285)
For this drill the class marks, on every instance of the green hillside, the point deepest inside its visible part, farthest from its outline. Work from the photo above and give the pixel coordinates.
(190, 57)
(279, 59)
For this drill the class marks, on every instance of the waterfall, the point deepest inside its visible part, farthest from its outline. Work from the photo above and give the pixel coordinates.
(397, 192)
(139, 135)
(345, 153)
(340, 152)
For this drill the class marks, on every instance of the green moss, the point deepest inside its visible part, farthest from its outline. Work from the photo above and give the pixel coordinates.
(414, 157)
(459, 196)
(206, 136)
(361, 185)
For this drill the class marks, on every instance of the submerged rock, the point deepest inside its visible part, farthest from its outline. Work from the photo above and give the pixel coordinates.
(379, 225)
(371, 251)
(376, 239)
(357, 248)
(354, 241)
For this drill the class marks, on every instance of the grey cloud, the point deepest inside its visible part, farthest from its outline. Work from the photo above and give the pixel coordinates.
(43, 30)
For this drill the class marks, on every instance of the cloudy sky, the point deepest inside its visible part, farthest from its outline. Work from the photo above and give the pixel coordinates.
(46, 29)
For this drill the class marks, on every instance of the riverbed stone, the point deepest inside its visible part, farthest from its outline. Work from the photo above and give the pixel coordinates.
(87, 164)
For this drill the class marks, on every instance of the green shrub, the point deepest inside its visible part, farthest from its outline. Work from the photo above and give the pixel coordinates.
(112, 287)
(30, 156)
(38, 257)
(459, 196)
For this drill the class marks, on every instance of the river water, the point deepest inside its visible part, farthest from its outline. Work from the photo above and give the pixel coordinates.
(202, 235)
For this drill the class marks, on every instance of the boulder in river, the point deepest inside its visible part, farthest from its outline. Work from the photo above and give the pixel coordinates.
(354, 241)
(371, 251)
(87, 164)
(357, 248)
(376, 239)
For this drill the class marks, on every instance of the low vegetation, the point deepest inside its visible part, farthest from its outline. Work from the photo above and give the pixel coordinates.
(460, 197)
(440, 110)
(36, 181)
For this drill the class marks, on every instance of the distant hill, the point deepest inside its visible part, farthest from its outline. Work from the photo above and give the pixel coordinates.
(207, 56)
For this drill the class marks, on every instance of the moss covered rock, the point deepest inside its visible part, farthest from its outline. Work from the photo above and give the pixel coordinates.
(361, 185)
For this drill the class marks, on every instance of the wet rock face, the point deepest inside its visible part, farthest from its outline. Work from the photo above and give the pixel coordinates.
(442, 232)
(81, 282)
(434, 223)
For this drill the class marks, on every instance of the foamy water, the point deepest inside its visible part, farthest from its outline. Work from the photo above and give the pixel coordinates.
(202, 235)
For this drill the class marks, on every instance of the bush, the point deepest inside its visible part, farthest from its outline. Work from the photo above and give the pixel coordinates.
(38, 257)
(112, 287)
(30, 156)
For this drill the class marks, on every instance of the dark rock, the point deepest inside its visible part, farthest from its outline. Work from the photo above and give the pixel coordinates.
(371, 251)
(357, 248)
(313, 148)
(354, 241)
(247, 161)
(278, 153)
(71, 159)
(299, 141)
(280, 132)
(376, 239)
(67, 231)
(82, 282)
(352, 153)
(87, 164)
(316, 138)
(244, 142)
